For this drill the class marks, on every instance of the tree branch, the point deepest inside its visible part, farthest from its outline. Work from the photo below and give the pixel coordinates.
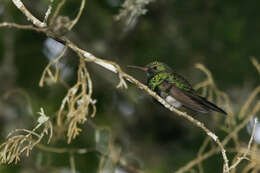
(30, 17)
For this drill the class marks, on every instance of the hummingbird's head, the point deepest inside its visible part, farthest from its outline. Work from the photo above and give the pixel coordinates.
(156, 67)
(153, 68)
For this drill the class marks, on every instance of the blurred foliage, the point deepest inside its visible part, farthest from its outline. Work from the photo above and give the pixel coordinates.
(222, 35)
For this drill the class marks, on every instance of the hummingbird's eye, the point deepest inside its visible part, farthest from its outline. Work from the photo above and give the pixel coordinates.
(155, 67)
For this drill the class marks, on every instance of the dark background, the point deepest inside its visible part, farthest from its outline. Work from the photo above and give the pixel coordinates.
(222, 35)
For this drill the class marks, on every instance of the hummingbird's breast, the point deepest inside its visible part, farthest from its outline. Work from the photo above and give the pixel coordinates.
(156, 80)
(161, 85)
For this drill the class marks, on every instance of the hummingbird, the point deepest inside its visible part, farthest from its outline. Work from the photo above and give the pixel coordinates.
(175, 89)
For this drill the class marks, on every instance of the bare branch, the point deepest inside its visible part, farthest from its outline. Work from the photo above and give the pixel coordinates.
(48, 12)
(78, 15)
(57, 11)
(30, 17)
(47, 70)
(17, 26)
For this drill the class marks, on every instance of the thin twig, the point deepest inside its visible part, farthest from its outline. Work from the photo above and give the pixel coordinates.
(244, 156)
(57, 11)
(48, 12)
(30, 17)
(83, 2)
(17, 26)
(251, 98)
(48, 71)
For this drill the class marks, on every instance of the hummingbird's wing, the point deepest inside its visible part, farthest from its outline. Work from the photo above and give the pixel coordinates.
(193, 101)
(187, 100)
(184, 93)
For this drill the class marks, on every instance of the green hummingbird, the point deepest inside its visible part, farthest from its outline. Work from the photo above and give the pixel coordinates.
(175, 89)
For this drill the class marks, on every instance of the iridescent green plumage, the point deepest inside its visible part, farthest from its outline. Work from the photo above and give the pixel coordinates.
(157, 79)
(176, 90)
(160, 72)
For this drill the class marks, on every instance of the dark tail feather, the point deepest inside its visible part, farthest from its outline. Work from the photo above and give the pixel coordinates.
(212, 106)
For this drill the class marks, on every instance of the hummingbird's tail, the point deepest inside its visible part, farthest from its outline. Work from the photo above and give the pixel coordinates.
(211, 106)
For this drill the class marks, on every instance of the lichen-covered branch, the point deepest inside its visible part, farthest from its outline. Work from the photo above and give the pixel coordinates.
(22, 140)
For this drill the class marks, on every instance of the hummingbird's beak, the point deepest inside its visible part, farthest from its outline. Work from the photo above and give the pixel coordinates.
(138, 67)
